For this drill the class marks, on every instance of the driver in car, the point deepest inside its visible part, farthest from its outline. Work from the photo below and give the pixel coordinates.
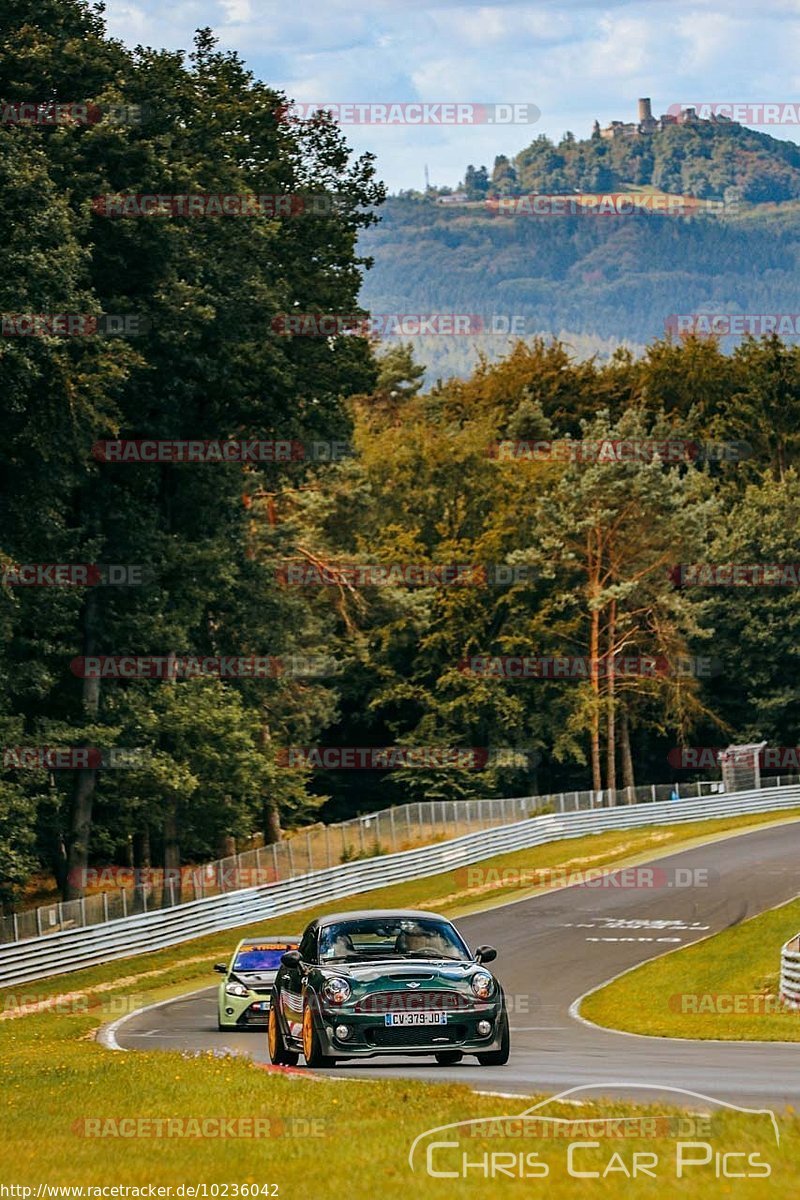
(417, 940)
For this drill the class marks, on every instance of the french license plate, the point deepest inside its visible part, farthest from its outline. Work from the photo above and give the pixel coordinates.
(416, 1018)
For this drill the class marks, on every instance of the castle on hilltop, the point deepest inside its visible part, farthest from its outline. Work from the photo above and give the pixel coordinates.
(647, 123)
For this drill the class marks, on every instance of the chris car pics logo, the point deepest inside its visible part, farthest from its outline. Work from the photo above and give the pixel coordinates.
(596, 1146)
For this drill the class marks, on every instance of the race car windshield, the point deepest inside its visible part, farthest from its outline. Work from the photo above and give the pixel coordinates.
(390, 938)
(259, 960)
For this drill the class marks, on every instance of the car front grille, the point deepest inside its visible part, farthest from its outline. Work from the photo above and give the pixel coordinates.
(435, 1036)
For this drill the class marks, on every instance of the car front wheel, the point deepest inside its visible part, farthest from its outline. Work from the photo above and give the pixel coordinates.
(312, 1050)
(278, 1054)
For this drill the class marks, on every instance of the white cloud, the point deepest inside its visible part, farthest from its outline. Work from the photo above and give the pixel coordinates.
(575, 59)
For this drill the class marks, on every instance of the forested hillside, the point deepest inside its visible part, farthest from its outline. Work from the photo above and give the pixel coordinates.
(599, 278)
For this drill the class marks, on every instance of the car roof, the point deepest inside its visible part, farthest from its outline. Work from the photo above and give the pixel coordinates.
(359, 914)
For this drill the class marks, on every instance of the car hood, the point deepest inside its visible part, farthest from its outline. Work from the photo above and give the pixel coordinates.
(399, 973)
(254, 979)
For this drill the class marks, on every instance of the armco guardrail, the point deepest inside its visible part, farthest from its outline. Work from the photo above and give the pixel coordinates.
(790, 973)
(130, 892)
(71, 950)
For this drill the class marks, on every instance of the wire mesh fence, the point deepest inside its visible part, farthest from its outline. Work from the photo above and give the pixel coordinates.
(387, 831)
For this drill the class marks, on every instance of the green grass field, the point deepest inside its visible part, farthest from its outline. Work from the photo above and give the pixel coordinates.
(65, 1100)
(726, 986)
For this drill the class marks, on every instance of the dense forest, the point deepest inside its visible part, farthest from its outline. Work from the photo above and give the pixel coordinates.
(588, 546)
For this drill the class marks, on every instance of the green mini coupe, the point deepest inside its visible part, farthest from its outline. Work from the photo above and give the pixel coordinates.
(245, 991)
(386, 982)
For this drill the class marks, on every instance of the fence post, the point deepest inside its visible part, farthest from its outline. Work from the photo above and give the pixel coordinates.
(275, 860)
(310, 856)
(171, 891)
(653, 792)
(16, 926)
(361, 834)
(124, 902)
(61, 914)
(83, 911)
(561, 802)
(39, 921)
(291, 857)
(394, 831)
(328, 850)
(105, 906)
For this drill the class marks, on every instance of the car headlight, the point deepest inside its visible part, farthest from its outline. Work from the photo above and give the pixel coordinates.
(235, 989)
(482, 985)
(337, 990)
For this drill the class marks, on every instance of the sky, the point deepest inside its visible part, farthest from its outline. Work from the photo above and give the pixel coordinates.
(572, 61)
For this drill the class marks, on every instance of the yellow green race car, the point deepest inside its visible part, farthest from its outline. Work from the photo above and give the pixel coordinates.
(245, 991)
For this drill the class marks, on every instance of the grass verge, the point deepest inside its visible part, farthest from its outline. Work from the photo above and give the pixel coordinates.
(726, 987)
(64, 1098)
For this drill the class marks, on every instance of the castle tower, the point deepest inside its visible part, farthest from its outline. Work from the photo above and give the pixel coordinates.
(645, 112)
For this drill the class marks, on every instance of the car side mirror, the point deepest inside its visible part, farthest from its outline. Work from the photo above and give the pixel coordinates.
(292, 958)
(485, 954)
(221, 967)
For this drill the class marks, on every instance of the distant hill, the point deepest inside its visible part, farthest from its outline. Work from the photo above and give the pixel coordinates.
(597, 281)
(703, 159)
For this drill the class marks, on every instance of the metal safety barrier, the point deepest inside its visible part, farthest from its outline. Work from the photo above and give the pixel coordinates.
(71, 950)
(129, 891)
(790, 973)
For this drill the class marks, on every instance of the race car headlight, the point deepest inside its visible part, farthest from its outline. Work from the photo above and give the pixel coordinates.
(337, 991)
(482, 985)
(235, 989)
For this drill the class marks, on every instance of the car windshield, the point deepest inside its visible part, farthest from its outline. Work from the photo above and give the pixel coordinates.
(390, 937)
(260, 958)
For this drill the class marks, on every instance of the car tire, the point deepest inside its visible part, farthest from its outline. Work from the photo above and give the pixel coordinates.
(498, 1058)
(312, 1050)
(279, 1056)
(448, 1058)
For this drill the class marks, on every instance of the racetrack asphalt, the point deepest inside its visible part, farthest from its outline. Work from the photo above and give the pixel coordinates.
(555, 947)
